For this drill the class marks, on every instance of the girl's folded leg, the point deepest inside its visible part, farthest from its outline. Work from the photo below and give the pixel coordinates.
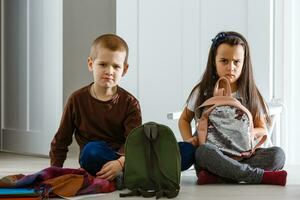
(210, 158)
(270, 159)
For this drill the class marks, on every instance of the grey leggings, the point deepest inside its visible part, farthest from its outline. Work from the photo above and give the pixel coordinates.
(250, 170)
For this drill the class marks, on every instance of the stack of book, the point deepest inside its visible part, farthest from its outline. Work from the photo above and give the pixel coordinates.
(19, 194)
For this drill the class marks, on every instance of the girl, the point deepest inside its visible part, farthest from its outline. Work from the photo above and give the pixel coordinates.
(229, 57)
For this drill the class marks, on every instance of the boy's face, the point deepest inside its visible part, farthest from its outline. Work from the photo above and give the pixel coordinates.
(108, 67)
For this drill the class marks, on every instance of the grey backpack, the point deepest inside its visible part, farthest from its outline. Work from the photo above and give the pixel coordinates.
(226, 123)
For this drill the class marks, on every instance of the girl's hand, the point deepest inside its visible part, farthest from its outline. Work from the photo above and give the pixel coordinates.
(110, 170)
(247, 154)
(193, 140)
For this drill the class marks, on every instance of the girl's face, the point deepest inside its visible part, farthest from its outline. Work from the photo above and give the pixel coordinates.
(229, 62)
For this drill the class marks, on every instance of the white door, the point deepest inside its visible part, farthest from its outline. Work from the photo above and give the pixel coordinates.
(164, 49)
(31, 74)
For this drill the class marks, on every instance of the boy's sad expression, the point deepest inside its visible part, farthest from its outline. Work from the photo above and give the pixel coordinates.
(108, 67)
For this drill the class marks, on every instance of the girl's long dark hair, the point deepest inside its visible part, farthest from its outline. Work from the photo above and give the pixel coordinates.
(247, 90)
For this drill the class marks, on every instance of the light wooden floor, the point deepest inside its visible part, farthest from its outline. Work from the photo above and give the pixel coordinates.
(13, 163)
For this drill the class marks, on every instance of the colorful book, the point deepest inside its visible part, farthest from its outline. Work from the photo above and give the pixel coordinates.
(19, 193)
(21, 198)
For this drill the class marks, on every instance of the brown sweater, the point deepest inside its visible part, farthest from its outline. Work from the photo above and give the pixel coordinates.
(90, 119)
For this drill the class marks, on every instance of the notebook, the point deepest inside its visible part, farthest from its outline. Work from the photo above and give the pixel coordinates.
(19, 193)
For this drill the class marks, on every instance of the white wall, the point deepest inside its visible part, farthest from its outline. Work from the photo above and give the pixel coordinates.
(31, 77)
(295, 71)
(44, 55)
(288, 87)
(83, 22)
(286, 72)
(170, 41)
(127, 27)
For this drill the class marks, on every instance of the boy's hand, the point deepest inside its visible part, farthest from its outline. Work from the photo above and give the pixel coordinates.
(110, 170)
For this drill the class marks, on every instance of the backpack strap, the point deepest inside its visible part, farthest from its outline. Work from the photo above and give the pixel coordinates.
(144, 193)
(151, 150)
(170, 194)
(138, 192)
(151, 133)
(222, 87)
(261, 141)
(176, 186)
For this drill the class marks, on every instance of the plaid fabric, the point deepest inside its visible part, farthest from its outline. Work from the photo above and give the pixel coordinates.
(55, 181)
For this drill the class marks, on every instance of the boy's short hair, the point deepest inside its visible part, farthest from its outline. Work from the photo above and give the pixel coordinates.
(111, 42)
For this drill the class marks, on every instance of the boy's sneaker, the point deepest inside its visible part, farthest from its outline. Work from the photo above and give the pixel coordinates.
(119, 181)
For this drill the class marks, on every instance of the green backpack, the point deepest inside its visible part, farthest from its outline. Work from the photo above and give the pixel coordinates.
(152, 162)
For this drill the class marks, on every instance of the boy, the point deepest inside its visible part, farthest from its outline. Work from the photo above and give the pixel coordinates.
(100, 115)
